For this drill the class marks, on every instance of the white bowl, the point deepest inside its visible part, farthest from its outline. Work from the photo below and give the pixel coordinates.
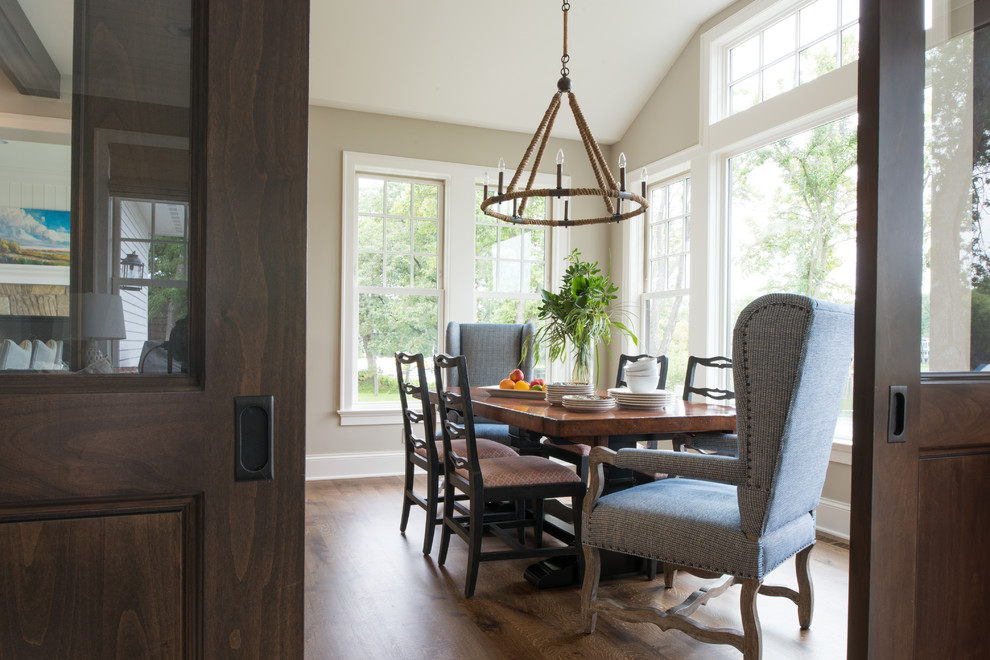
(641, 384)
(645, 365)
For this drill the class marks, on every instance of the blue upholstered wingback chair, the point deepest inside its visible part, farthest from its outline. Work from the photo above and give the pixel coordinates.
(739, 516)
(492, 350)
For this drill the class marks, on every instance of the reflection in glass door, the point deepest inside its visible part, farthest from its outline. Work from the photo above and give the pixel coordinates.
(152, 238)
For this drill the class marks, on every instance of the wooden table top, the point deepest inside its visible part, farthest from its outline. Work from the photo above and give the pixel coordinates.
(539, 416)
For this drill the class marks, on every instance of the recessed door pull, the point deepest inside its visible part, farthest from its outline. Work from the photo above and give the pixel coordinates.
(897, 414)
(254, 431)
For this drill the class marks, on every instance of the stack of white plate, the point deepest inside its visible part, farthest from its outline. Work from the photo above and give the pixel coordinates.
(588, 402)
(652, 400)
(557, 391)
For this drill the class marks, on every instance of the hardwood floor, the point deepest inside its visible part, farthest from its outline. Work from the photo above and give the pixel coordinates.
(371, 593)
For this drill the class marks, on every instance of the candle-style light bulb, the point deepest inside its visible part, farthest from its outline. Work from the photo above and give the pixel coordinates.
(644, 176)
(622, 171)
(501, 174)
(560, 167)
(560, 156)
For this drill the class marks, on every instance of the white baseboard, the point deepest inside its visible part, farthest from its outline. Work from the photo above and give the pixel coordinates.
(833, 518)
(354, 466)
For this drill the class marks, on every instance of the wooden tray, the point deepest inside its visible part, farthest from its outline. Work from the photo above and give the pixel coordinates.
(495, 390)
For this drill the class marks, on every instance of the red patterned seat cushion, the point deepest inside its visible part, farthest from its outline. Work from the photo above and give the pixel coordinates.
(486, 449)
(523, 471)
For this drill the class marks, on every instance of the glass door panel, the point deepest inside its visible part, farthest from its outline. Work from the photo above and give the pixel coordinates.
(94, 187)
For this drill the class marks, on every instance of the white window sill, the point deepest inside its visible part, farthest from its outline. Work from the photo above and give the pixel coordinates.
(841, 452)
(370, 417)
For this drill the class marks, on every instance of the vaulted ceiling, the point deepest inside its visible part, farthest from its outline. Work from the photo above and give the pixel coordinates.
(492, 65)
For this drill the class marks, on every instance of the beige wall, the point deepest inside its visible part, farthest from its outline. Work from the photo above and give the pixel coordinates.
(331, 133)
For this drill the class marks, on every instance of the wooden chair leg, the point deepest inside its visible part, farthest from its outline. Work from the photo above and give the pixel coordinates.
(521, 517)
(589, 589)
(448, 516)
(476, 528)
(406, 501)
(651, 569)
(577, 504)
(806, 590)
(752, 634)
(432, 499)
(668, 575)
(538, 522)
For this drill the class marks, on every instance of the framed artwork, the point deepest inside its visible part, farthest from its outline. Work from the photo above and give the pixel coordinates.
(34, 246)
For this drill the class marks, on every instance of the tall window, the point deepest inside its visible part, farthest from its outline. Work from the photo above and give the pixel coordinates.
(398, 281)
(808, 41)
(510, 267)
(665, 302)
(792, 223)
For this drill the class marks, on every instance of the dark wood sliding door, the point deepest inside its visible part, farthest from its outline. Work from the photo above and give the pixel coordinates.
(160, 515)
(921, 450)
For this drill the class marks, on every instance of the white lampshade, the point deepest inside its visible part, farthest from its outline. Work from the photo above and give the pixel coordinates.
(103, 316)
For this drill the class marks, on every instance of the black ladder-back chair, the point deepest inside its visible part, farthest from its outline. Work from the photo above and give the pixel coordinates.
(514, 478)
(577, 453)
(723, 444)
(425, 453)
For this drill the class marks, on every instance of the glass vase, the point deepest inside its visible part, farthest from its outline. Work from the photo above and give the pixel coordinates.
(584, 354)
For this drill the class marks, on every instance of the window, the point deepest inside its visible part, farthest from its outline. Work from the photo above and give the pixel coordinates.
(782, 47)
(665, 301)
(510, 265)
(417, 253)
(398, 281)
(151, 278)
(792, 223)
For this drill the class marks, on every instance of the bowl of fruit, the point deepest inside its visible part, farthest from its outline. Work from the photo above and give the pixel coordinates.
(516, 385)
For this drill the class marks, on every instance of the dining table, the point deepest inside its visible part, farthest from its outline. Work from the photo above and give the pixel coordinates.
(531, 413)
(535, 414)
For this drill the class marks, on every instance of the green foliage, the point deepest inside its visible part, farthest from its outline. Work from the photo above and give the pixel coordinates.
(168, 263)
(580, 313)
(388, 386)
(812, 214)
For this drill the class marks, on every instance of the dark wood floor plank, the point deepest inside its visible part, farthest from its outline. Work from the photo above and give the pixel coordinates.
(370, 593)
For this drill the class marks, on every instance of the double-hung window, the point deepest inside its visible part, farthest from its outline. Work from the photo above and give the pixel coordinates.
(398, 283)
(665, 301)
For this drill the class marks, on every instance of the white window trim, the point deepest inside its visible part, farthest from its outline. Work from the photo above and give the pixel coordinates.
(457, 256)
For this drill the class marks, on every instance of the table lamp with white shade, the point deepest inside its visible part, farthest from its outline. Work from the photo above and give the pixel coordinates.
(103, 319)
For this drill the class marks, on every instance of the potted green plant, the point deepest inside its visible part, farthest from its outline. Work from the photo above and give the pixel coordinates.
(580, 316)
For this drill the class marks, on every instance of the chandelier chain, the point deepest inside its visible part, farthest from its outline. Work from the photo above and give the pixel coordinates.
(565, 58)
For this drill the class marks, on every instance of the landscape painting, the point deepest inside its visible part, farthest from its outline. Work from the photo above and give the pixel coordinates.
(34, 237)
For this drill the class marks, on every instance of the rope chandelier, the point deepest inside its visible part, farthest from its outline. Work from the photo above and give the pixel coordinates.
(612, 194)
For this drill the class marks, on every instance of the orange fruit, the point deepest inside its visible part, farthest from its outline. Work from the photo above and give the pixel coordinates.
(506, 384)
(521, 385)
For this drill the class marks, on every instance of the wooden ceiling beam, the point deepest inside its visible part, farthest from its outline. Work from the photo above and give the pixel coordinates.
(22, 55)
